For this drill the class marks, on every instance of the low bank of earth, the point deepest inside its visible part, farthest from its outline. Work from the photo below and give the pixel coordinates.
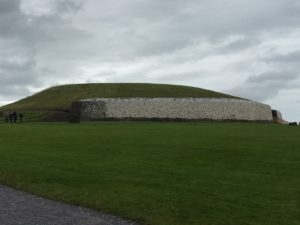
(160, 173)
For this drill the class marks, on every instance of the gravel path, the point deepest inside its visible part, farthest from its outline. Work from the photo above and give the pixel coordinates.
(18, 207)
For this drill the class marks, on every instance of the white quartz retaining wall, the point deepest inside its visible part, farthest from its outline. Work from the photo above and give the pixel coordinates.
(174, 108)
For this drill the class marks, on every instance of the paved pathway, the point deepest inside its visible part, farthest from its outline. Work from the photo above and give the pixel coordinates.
(17, 207)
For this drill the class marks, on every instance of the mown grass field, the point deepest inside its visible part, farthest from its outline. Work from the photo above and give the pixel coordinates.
(160, 173)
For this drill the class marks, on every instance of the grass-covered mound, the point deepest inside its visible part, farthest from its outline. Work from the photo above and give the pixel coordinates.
(161, 173)
(61, 97)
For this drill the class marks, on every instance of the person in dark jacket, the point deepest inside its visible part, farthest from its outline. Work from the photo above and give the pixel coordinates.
(6, 117)
(21, 117)
(10, 117)
(15, 117)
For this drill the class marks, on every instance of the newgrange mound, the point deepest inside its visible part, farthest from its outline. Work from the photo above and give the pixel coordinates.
(139, 101)
(61, 97)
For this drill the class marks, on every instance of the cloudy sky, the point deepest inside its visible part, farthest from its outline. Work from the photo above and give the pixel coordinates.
(245, 48)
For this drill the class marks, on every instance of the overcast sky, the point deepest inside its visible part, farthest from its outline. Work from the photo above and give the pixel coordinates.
(249, 48)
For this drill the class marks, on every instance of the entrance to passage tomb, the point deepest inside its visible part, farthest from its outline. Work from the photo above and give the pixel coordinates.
(88, 111)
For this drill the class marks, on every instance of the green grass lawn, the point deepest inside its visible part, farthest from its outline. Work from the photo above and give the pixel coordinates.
(161, 173)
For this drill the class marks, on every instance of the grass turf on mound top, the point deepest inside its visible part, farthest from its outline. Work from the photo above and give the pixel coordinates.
(161, 173)
(61, 97)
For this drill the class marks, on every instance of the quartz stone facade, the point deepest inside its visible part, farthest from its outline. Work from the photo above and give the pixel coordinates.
(174, 108)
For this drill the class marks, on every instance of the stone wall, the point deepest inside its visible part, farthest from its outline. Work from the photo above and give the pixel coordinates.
(174, 108)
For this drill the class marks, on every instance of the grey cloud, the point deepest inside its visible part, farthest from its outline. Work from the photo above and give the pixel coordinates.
(158, 27)
(14, 92)
(182, 77)
(16, 73)
(21, 38)
(265, 86)
(239, 45)
(15, 25)
(274, 77)
(15, 66)
(10, 18)
(49, 8)
(7, 7)
(292, 57)
(72, 6)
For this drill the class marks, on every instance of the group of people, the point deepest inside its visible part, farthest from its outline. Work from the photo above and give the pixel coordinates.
(12, 117)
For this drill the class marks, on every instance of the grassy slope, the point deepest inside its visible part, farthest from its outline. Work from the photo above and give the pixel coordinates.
(161, 173)
(61, 97)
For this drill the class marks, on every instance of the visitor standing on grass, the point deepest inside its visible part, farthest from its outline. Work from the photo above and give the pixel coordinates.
(10, 117)
(6, 117)
(21, 117)
(15, 117)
